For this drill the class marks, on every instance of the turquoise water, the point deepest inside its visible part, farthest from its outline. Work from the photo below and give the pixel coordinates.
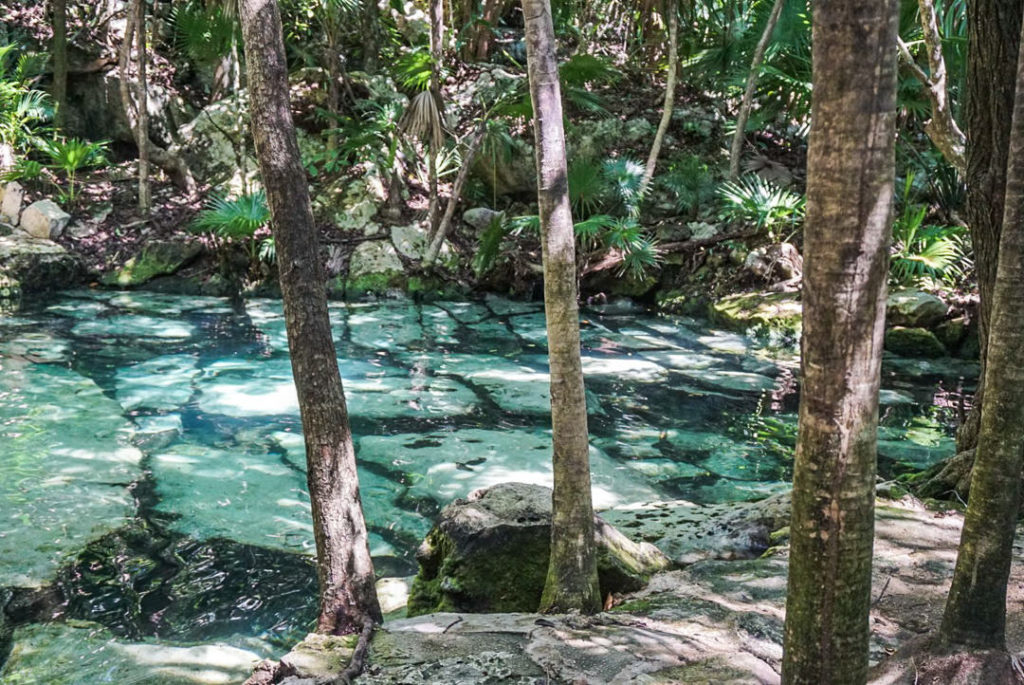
(153, 508)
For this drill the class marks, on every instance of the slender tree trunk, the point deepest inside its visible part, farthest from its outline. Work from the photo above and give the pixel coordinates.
(436, 53)
(437, 239)
(976, 607)
(60, 62)
(483, 36)
(992, 41)
(347, 594)
(333, 64)
(736, 151)
(571, 583)
(371, 36)
(670, 94)
(850, 174)
(142, 123)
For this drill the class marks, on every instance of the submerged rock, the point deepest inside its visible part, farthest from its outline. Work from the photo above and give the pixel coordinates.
(489, 553)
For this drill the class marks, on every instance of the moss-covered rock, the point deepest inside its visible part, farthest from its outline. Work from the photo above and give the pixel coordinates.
(159, 258)
(914, 309)
(38, 265)
(759, 312)
(913, 342)
(489, 553)
(681, 301)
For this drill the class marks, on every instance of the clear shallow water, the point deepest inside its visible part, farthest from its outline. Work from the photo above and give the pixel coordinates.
(153, 471)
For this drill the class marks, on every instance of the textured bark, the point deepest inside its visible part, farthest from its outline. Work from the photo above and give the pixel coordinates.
(371, 36)
(60, 61)
(436, 48)
(142, 122)
(670, 94)
(976, 607)
(748, 95)
(992, 41)
(347, 594)
(850, 174)
(942, 129)
(571, 583)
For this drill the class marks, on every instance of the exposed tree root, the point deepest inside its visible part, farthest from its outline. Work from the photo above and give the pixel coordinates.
(924, 662)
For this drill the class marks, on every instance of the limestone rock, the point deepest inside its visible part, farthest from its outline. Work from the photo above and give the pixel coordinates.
(10, 206)
(489, 553)
(410, 240)
(318, 656)
(208, 144)
(44, 219)
(914, 309)
(158, 258)
(481, 217)
(37, 265)
(761, 312)
(773, 263)
(913, 342)
(374, 267)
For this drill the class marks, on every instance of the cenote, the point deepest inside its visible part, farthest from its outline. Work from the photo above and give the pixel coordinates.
(154, 519)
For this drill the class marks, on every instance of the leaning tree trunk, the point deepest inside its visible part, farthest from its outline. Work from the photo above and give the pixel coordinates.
(976, 607)
(60, 62)
(437, 239)
(992, 40)
(670, 94)
(348, 598)
(571, 583)
(748, 94)
(142, 122)
(850, 174)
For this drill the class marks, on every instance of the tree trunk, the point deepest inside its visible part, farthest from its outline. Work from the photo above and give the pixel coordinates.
(976, 608)
(483, 32)
(333, 64)
(740, 135)
(850, 175)
(371, 36)
(670, 94)
(992, 40)
(347, 593)
(436, 53)
(142, 123)
(437, 238)
(60, 62)
(571, 583)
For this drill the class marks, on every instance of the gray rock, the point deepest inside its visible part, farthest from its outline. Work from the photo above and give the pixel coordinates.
(779, 262)
(489, 553)
(410, 240)
(481, 217)
(37, 265)
(374, 257)
(207, 143)
(44, 219)
(10, 206)
(914, 309)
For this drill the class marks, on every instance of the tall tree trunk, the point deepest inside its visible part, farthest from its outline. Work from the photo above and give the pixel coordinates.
(436, 53)
(142, 123)
(60, 62)
(740, 134)
(571, 583)
(333, 63)
(976, 607)
(670, 94)
(371, 36)
(992, 41)
(347, 594)
(850, 174)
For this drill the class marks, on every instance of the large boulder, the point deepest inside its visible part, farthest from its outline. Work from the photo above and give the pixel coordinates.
(914, 309)
(773, 263)
(913, 342)
(211, 144)
(44, 219)
(489, 553)
(759, 312)
(37, 265)
(159, 258)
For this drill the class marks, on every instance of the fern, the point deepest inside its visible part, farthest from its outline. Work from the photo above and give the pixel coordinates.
(753, 200)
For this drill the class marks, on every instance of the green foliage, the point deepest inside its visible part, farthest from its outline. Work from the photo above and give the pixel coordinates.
(578, 76)
(922, 251)
(70, 156)
(414, 68)
(753, 200)
(583, 70)
(24, 110)
(690, 180)
(587, 186)
(203, 32)
(239, 219)
(24, 170)
(374, 137)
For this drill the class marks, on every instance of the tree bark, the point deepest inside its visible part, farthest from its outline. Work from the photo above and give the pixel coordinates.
(850, 175)
(347, 593)
(371, 36)
(976, 607)
(670, 94)
(60, 62)
(740, 135)
(142, 123)
(436, 53)
(992, 41)
(571, 583)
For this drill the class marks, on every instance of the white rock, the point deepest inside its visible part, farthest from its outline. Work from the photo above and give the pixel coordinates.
(374, 257)
(43, 219)
(10, 206)
(410, 240)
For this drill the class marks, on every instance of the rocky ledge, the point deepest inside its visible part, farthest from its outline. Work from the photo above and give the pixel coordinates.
(716, 617)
